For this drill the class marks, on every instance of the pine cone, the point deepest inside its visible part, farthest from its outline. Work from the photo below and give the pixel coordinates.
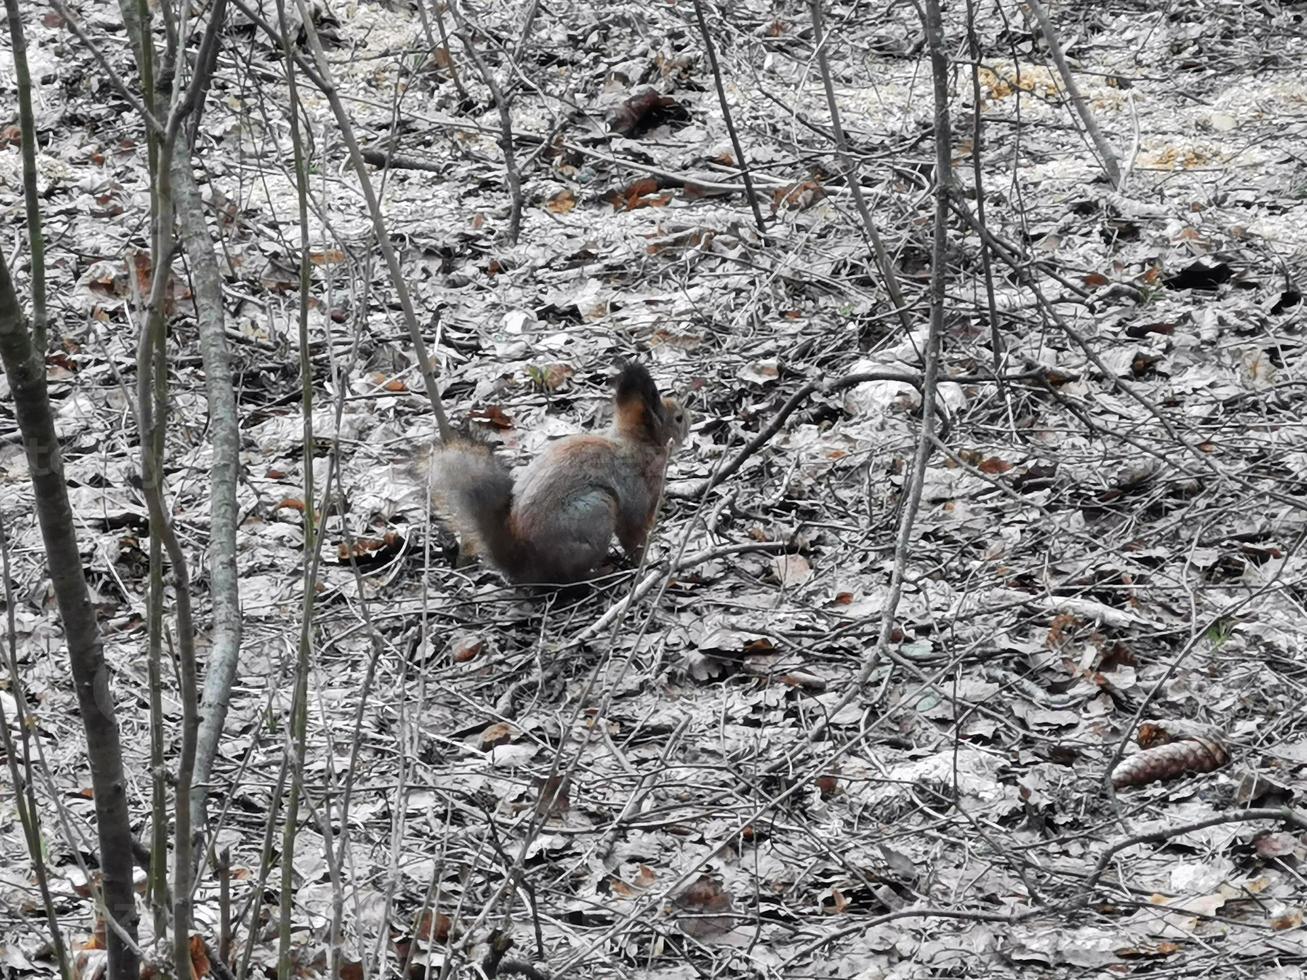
(1170, 760)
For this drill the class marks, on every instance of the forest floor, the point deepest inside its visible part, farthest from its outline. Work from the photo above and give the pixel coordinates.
(1109, 544)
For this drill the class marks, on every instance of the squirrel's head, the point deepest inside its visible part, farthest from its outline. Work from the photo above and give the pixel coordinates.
(676, 421)
(642, 414)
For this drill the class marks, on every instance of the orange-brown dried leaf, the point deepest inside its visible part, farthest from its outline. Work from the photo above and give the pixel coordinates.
(705, 895)
(621, 197)
(500, 733)
(835, 904)
(828, 785)
(388, 383)
(433, 926)
(798, 197)
(200, 966)
(492, 415)
(643, 110)
(1152, 734)
(1287, 920)
(466, 648)
(561, 203)
(369, 547)
(804, 681)
(1057, 630)
(96, 940)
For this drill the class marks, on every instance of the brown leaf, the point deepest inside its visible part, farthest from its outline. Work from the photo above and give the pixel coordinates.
(1057, 630)
(466, 647)
(369, 547)
(804, 681)
(200, 966)
(500, 733)
(388, 382)
(561, 202)
(1291, 919)
(645, 109)
(433, 926)
(700, 900)
(492, 415)
(836, 904)
(798, 197)
(555, 796)
(640, 194)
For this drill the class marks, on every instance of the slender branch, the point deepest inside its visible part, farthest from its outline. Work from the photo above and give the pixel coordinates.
(883, 261)
(24, 792)
(31, 202)
(115, 79)
(318, 71)
(210, 314)
(740, 159)
(511, 173)
(977, 176)
(1106, 156)
(151, 406)
(1284, 814)
(938, 280)
(298, 727)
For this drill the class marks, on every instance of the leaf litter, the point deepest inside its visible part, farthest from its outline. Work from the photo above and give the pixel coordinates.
(1081, 553)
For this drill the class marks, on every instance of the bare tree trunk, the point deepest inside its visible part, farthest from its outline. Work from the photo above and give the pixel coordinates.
(26, 374)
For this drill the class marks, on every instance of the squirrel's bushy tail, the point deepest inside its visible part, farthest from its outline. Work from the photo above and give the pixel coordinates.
(473, 489)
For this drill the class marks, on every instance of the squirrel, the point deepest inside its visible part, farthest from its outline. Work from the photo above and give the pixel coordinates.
(553, 524)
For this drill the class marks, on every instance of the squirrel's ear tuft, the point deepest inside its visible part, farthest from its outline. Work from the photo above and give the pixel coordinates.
(635, 384)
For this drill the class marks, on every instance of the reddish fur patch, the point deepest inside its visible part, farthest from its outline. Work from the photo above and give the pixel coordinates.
(633, 421)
